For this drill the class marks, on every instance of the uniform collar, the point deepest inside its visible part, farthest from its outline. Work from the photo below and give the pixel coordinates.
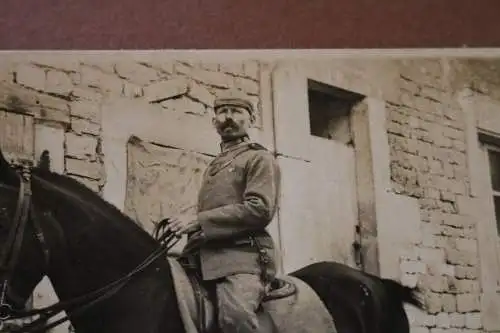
(225, 146)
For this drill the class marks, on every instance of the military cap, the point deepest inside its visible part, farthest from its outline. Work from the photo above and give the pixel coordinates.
(234, 98)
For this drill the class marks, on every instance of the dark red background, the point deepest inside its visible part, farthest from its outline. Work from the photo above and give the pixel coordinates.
(181, 24)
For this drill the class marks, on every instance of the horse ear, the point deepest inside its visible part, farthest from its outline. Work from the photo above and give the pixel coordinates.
(44, 162)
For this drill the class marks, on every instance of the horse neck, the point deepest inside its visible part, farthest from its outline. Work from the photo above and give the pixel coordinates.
(95, 248)
(94, 254)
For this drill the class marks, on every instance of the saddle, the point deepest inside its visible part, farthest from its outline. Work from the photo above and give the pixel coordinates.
(206, 312)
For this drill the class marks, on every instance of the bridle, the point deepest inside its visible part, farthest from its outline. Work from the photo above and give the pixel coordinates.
(12, 247)
(10, 254)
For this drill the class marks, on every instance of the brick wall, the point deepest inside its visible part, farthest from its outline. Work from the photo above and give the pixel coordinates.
(66, 92)
(426, 129)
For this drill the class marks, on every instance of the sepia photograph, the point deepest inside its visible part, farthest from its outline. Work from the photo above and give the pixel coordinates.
(284, 191)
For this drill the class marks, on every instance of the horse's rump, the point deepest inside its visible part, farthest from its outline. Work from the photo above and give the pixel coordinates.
(301, 312)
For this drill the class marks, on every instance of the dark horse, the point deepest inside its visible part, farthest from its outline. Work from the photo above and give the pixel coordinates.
(112, 276)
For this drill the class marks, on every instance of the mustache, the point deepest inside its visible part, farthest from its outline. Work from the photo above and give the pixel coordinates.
(228, 123)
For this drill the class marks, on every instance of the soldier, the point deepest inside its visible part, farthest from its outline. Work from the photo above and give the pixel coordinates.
(237, 201)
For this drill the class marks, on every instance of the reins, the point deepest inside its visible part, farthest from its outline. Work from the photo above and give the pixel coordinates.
(73, 306)
(84, 302)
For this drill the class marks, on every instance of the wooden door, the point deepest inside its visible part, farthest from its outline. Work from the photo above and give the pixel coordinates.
(318, 209)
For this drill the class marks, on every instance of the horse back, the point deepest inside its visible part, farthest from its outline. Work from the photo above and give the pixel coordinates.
(355, 299)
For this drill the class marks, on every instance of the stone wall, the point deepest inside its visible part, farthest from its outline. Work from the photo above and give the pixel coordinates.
(427, 139)
(66, 92)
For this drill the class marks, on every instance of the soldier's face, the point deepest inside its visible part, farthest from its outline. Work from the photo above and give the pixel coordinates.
(232, 122)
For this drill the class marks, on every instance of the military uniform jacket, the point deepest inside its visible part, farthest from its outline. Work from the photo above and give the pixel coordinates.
(238, 197)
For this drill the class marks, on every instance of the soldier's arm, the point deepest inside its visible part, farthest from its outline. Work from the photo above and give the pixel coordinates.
(258, 207)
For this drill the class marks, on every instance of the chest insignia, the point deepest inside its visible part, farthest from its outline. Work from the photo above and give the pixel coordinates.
(216, 167)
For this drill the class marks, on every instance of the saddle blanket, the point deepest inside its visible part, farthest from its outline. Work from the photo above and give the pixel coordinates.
(302, 312)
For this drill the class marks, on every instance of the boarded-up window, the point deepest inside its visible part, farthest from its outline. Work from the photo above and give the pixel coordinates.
(16, 135)
(161, 181)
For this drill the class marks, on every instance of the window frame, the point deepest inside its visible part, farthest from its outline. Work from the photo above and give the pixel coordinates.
(330, 93)
(486, 148)
(488, 141)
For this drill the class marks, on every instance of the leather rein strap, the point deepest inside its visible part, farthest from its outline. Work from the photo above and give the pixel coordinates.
(12, 248)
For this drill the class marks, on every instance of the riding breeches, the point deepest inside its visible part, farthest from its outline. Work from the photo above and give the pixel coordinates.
(239, 297)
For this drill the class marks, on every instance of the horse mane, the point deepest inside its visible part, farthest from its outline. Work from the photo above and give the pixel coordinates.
(87, 200)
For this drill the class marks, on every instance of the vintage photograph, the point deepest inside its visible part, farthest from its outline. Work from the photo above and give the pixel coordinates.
(301, 191)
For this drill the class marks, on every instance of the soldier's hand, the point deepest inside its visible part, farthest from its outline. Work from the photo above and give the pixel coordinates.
(183, 224)
(195, 240)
